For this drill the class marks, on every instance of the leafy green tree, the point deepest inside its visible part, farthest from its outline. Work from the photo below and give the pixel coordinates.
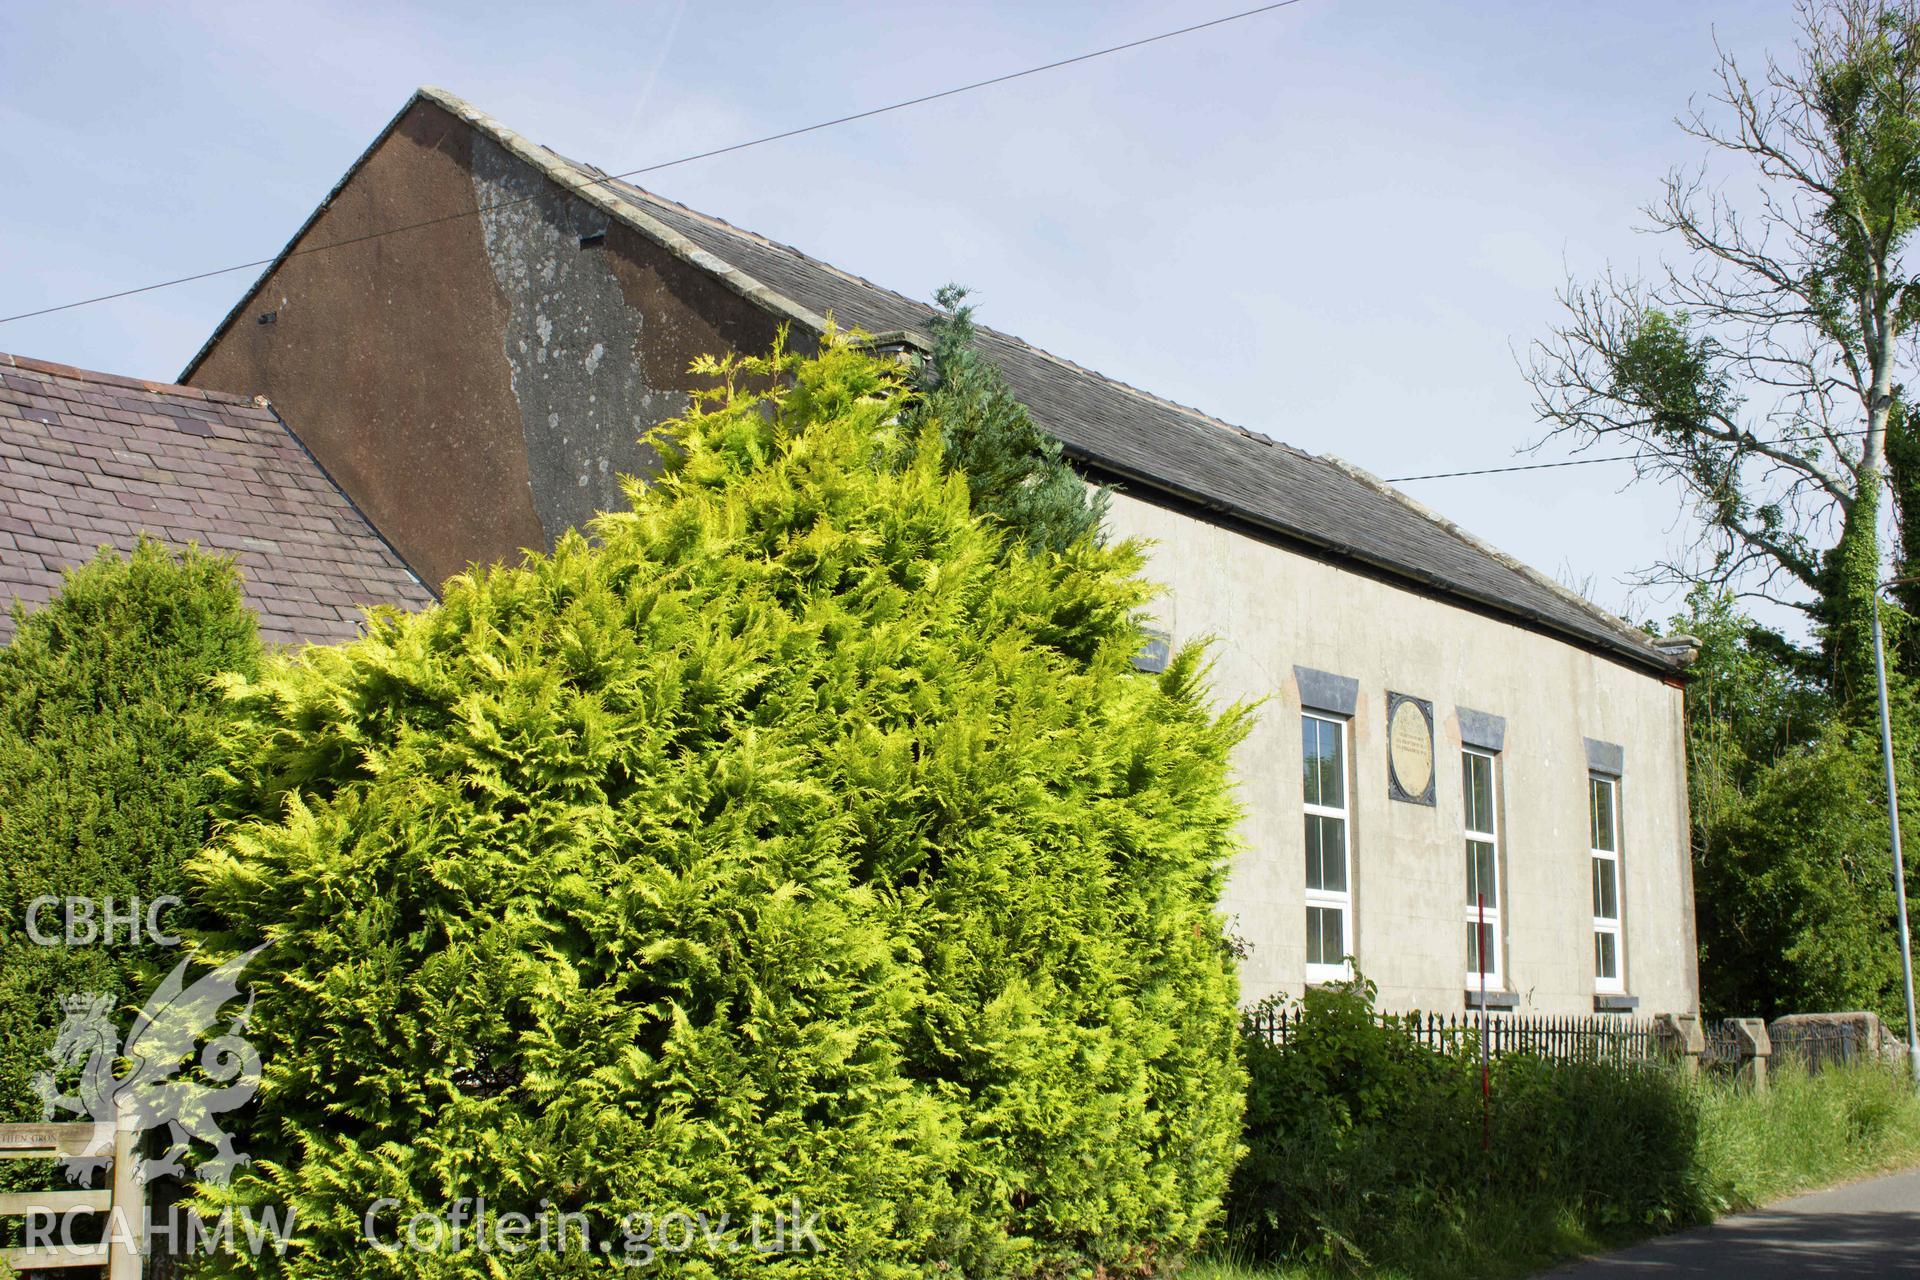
(1014, 469)
(1800, 887)
(790, 839)
(1762, 371)
(109, 720)
(1793, 876)
(1750, 701)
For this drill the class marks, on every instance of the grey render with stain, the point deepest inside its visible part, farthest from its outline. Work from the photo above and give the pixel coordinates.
(570, 341)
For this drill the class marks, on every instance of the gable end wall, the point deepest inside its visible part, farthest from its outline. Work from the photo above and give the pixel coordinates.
(479, 383)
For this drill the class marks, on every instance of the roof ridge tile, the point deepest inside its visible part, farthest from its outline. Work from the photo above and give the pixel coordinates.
(177, 390)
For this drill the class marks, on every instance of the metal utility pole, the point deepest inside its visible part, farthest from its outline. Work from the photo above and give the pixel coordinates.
(1893, 820)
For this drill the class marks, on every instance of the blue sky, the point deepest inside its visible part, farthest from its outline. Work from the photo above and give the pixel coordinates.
(1338, 223)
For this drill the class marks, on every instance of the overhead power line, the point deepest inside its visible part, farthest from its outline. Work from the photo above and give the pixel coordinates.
(1571, 462)
(668, 164)
(1526, 466)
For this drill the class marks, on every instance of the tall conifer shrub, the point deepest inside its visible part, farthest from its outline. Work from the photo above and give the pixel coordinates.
(786, 842)
(109, 722)
(1014, 470)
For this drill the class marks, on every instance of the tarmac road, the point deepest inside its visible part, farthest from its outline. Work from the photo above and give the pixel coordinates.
(1869, 1228)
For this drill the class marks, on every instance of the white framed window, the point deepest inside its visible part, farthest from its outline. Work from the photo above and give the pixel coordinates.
(1323, 754)
(1603, 805)
(1479, 799)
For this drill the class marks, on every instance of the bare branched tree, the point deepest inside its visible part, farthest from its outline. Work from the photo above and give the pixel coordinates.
(1761, 368)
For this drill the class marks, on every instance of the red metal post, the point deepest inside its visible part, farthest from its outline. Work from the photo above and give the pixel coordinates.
(1486, 1076)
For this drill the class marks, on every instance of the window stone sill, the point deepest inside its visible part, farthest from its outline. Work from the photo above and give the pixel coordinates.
(1498, 1000)
(1615, 1003)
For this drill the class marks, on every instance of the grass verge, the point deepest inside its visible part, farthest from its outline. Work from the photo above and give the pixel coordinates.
(1742, 1149)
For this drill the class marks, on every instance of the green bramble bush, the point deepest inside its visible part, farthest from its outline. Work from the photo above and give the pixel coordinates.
(787, 841)
(1370, 1153)
(109, 724)
(1368, 1150)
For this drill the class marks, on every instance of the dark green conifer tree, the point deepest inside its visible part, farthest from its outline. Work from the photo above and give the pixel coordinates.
(1014, 469)
(109, 719)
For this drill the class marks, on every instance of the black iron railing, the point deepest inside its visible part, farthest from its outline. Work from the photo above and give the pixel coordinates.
(1589, 1038)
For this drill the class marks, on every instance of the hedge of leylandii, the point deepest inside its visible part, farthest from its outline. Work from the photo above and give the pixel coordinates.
(793, 842)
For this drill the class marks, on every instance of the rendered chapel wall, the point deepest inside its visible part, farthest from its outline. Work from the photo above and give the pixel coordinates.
(477, 384)
(1269, 609)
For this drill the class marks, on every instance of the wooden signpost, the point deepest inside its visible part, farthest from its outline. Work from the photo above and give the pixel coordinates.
(122, 1236)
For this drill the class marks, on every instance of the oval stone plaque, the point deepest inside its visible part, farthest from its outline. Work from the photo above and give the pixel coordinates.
(1410, 748)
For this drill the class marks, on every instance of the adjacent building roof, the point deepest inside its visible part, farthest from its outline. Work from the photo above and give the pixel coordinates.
(1113, 431)
(89, 459)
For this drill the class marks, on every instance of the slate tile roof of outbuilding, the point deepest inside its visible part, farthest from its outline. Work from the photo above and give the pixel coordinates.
(90, 459)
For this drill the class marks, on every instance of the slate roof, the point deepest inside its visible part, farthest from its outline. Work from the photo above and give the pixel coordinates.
(1115, 432)
(88, 459)
(1142, 441)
